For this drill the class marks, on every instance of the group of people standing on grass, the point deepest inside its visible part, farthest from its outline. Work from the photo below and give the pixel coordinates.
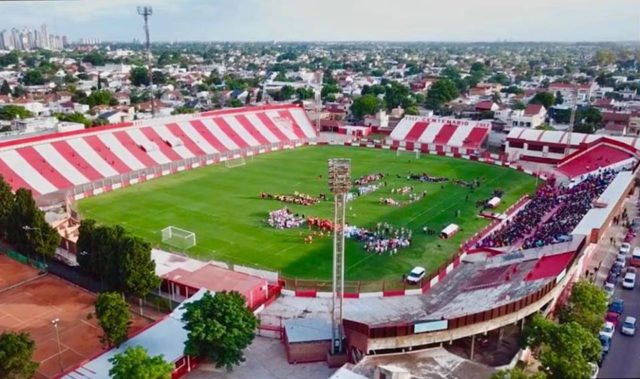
(426, 178)
(384, 238)
(366, 179)
(535, 226)
(297, 198)
(284, 219)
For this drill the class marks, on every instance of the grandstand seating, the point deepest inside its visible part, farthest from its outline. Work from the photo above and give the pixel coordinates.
(48, 163)
(441, 132)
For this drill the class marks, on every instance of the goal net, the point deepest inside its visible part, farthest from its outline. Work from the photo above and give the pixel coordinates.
(180, 238)
(235, 162)
(404, 153)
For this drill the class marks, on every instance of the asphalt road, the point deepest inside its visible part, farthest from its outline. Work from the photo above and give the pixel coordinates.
(623, 358)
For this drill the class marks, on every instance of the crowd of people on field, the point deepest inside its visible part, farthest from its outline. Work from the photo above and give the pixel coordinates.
(366, 179)
(568, 204)
(284, 219)
(426, 178)
(364, 190)
(297, 198)
(384, 238)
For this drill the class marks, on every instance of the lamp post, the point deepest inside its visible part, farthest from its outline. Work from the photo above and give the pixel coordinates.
(31, 228)
(55, 323)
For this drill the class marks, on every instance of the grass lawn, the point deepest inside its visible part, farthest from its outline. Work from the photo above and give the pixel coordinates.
(222, 206)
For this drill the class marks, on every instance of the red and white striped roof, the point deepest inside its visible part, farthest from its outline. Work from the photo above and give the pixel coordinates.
(441, 131)
(54, 162)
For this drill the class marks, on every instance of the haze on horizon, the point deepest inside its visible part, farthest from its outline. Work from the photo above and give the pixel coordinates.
(335, 20)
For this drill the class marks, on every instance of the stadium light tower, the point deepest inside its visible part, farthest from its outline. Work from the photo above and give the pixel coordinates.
(339, 184)
(146, 12)
(572, 119)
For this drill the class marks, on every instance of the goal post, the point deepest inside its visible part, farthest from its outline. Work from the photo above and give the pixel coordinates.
(404, 153)
(235, 162)
(179, 238)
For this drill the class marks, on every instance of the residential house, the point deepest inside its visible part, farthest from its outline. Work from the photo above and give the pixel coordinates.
(616, 123)
(486, 106)
(114, 117)
(584, 91)
(123, 98)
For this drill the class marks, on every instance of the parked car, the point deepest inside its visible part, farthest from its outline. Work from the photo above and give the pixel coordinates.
(613, 278)
(621, 260)
(616, 268)
(605, 342)
(631, 269)
(607, 329)
(609, 288)
(629, 281)
(416, 275)
(613, 318)
(635, 257)
(625, 248)
(629, 326)
(594, 370)
(617, 306)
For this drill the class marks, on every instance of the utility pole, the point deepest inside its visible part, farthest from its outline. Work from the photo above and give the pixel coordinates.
(146, 12)
(55, 323)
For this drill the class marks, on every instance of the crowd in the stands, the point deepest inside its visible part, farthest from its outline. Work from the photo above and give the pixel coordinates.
(559, 209)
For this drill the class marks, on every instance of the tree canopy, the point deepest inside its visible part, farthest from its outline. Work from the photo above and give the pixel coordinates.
(545, 98)
(5, 89)
(441, 92)
(135, 363)
(114, 318)
(139, 76)
(100, 97)
(564, 350)
(329, 89)
(121, 262)
(219, 328)
(12, 112)
(95, 57)
(16, 352)
(517, 373)
(74, 117)
(586, 306)
(6, 204)
(367, 104)
(27, 230)
(33, 77)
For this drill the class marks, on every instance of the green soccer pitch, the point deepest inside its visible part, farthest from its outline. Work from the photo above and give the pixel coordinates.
(223, 207)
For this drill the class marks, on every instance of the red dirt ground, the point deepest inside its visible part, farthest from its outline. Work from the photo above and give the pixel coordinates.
(32, 305)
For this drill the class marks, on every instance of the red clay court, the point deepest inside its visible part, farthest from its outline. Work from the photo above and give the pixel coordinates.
(34, 301)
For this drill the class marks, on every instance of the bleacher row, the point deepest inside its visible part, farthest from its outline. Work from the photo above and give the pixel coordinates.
(54, 162)
(441, 132)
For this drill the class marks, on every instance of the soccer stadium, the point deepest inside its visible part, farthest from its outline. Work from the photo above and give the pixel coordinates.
(240, 199)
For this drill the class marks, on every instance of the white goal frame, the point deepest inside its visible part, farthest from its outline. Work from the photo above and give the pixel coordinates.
(400, 152)
(235, 162)
(180, 238)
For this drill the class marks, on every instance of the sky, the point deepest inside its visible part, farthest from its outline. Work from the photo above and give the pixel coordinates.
(334, 20)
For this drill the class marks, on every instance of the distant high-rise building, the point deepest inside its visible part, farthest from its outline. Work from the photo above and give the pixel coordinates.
(6, 41)
(65, 41)
(45, 36)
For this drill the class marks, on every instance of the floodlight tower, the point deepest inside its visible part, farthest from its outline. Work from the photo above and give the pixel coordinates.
(146, 12)
(339, 184)
(318, 99)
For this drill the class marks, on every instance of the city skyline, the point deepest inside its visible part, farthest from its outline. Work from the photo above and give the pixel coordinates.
(27, 38)
(334, 20)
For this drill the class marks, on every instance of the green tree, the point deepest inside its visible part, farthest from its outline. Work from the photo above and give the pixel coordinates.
(135, 363)
(16, 352)
(586, 306)
(32, 78)
(517, 373)
(367, 104)
(500, 78)
(559, 98)
(234, 103)
(545, 98)
(139, 270)
(28, 231)
(114, 318)
(19, 91)
(184, 110)
(605, 57)
(305, 93)
(285, 93)
(589, 115)
(6, 204)
(101, 97)
(11, 112)
(95, 57)
(159, 77)
(139, 76)
(219, 328)
(329, 89)
(5, 89)
(11, 58)
(412, 110)
(441, 92)
(564, 350)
